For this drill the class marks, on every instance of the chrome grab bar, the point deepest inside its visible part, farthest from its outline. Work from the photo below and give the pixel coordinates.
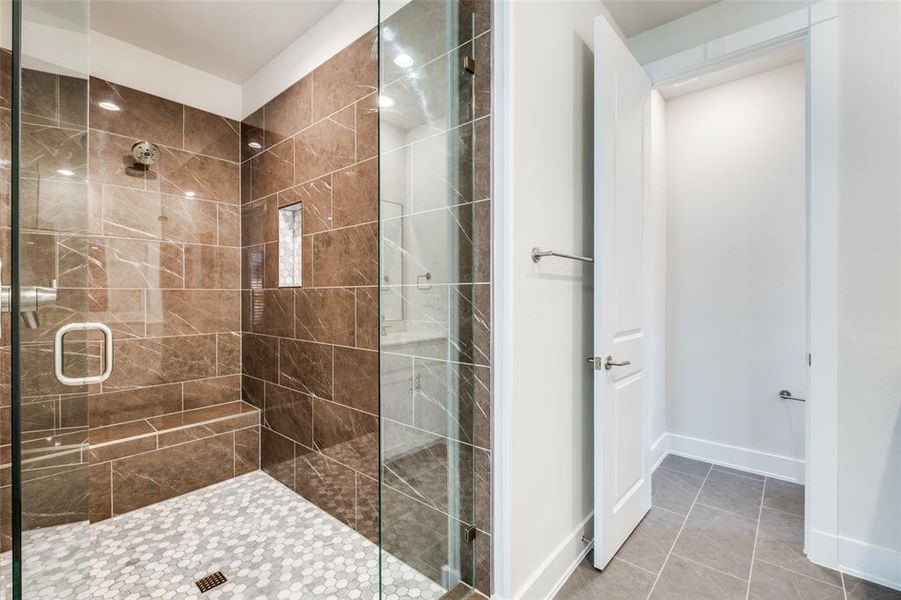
(107, 354)
(538, 254)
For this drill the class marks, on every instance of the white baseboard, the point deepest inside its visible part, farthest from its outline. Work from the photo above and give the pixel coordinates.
(745, 459)
(559, 565)
(659, 450)
(862, 560)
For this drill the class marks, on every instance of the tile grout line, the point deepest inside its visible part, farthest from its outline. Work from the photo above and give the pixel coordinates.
(756, 537)
(805, 576)
(682, 528)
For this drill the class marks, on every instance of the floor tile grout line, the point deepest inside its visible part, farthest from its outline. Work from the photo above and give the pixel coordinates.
(706, 566)
(622, 560)
(824, 582)
(756, 537)
(682, 528)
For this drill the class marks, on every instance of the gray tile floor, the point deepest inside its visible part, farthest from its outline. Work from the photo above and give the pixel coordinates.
(715, 533)
(271, 544)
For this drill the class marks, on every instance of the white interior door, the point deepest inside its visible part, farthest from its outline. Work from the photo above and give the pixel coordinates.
(622, 488)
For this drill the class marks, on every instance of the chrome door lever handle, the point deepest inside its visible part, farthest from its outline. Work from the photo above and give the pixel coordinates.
(787, 395)
(609, 363)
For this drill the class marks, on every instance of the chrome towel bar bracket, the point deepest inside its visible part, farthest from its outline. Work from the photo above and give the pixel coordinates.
(538, 254)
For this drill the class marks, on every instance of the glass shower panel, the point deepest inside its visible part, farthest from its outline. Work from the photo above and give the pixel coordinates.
(46, 456)
(433, 296)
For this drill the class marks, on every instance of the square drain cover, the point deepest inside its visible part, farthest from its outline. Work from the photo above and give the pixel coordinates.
(210, 581)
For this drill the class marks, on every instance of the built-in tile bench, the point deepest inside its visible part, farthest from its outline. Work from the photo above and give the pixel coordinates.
(141, 462)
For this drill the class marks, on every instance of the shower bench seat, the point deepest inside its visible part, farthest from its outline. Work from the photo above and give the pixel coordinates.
(146, 461)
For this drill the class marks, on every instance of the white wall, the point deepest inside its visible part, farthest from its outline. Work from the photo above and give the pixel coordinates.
(736, 263)
(550, 205)
(869, 432)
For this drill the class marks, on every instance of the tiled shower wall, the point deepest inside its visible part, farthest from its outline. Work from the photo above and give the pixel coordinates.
(310, 359)
(155, 254)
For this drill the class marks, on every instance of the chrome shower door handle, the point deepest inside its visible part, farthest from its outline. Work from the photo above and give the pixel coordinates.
(107, 353)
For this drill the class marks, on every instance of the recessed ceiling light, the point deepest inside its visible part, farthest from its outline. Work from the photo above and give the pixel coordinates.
(65, 172)
(386, 102)
(109, 106)
(404, 61)
(255, 145)
(190, 194)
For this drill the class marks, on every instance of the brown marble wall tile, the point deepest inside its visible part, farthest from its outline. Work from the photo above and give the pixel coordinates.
(155, 361)
(109, 160)
(190, 312)
(180, 172)
(64, 205)
(414, 533)
(347, 435)
(39, 97)
(356, 193)
(367, 512)
(306, 367)
(482, 92)
(212, 267)
(367, 318)
(346, 257)
(151, 215)
(325, 315)
(271, 312)
(346, 77)
(357, 378)
(73, 101)
(367, 127)
(156, 476)
(260, 356)
(289, 413)
(316, 197)
(228, 224)
(326, 146)
(119, 263)
(101, 500)
(140, 115)
(270, 265)
(47, 149)
(272, 170)
(208, 392)
(328, 484)
(122, 310)
(247, 450)
(59, 496)
(289, 112)
(5, 78)
(129, 405)
(253, 391)
(212, 135)
(252, 265)
(259, 221)
(228, 353)
(277, 456)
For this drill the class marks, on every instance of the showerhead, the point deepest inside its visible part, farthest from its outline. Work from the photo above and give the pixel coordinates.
(145, 153)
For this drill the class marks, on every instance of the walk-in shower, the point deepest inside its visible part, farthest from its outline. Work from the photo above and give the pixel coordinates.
(257, 360)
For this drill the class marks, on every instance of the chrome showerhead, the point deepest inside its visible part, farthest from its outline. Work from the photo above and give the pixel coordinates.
(145, 153)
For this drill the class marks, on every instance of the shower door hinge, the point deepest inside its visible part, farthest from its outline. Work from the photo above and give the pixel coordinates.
(471, 534)
(809, 360)
(469, 64)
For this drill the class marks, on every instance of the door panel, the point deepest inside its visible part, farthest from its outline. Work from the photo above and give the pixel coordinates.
(622, 474)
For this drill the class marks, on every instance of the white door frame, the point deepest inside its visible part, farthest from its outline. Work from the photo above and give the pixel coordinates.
(818, 26)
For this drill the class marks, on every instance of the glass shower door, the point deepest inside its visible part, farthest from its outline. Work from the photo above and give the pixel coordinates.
(434, 297)
(45, 472)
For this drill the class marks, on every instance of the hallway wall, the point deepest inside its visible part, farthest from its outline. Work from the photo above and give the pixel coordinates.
(735, 263)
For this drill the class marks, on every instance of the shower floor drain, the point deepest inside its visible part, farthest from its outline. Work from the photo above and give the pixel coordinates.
(210, 581)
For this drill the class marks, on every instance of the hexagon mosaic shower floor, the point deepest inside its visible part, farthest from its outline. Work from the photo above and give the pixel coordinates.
(269, 542)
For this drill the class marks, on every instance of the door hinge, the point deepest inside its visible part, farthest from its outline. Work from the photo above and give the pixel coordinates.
(471, 534)
(809, 360)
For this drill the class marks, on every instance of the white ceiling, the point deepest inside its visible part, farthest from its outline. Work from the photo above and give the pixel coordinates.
(636, 16)
(229, 39)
